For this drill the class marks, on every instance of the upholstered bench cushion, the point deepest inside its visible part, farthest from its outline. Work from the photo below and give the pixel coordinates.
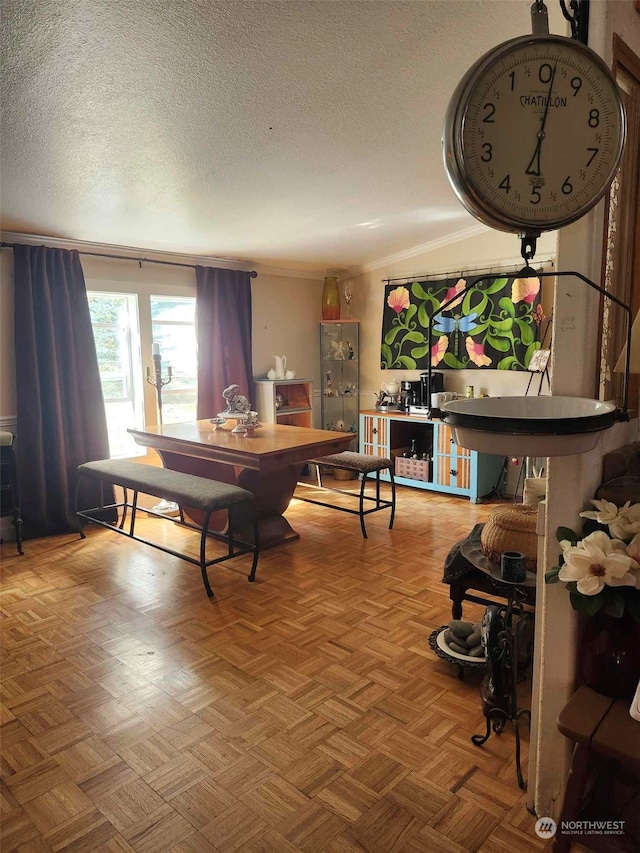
(360, 462)
(186, 489)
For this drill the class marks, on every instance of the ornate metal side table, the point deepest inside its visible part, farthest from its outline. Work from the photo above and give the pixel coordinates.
(504, 626)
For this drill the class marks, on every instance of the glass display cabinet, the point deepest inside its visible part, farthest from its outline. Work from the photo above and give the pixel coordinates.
(339, 391)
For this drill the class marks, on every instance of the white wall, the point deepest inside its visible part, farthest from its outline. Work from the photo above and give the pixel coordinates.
(7, 357)
(286, 321)
(7, 366)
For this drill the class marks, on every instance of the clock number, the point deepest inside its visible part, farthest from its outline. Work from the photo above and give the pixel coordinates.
(594, 118)
(595, 151)
(545, 73)
(535, 196)
(576, 85)
(567, 188)
(512, 77)
(488, 152)
(505, 184)
(490, 108)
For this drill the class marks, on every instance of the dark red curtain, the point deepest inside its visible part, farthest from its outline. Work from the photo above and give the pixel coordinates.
(223, 325)
(61, 415)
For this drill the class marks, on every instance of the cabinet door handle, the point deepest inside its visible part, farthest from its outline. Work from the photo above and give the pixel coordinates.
(453, 472)
(375, 431)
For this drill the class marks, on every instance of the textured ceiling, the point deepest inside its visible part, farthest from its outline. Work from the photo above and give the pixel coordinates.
(295, 133)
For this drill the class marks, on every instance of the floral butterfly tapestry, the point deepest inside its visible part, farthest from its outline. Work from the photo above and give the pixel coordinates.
(495, 325)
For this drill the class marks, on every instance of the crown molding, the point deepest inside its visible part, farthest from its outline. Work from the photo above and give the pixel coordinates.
(235, 263)
(423, 248)
(155, 255)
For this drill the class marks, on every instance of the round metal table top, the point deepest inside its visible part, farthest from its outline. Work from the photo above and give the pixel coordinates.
(471, 550)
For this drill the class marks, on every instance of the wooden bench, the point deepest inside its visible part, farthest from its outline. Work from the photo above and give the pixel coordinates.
(363, 465)
(186, 490)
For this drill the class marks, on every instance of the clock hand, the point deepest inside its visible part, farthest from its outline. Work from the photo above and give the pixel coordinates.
(534, 164)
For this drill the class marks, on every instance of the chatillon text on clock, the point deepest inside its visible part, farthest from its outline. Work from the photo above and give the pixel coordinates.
(542, 100)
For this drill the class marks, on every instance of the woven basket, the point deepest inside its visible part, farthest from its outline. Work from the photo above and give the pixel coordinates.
(511, 528)
(344, 474)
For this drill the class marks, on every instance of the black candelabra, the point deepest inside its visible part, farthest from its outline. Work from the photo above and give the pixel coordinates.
(157, 380)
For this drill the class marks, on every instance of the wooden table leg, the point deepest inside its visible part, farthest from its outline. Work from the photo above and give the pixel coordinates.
(272, 492)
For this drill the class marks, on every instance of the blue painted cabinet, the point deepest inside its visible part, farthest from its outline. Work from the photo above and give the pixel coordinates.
(446, 467)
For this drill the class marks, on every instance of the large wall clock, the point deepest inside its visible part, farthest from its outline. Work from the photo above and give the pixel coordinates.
(534, 134)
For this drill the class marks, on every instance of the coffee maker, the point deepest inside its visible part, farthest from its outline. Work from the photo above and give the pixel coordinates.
(426, 389)
(410, 394)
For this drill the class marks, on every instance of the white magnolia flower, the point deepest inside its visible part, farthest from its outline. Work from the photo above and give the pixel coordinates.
(623, 522)
(595, 561)
(627, 522)
(605, 512)
(633, 548)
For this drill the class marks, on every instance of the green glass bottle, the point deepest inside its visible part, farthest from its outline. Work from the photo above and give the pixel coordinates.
(330, 299)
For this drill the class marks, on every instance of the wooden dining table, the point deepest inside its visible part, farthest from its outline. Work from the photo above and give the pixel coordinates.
(267, 463)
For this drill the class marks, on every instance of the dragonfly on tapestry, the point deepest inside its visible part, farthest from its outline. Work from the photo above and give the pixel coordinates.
(455, 326)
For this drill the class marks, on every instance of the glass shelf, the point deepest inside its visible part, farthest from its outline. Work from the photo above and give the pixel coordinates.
(339, 372)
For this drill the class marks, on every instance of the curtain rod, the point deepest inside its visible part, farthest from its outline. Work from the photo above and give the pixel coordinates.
(463, 272)
(252, 274)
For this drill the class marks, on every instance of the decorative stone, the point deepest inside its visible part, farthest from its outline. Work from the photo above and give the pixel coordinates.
(474, 639)
(456, 647)
(460, 628)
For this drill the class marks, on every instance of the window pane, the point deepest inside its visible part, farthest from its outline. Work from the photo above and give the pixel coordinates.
(115, 329)
(177, 408)
(165, 309)
(105, 308)
(113, 353)
(120, 417)
(175, 333)
(114, 388)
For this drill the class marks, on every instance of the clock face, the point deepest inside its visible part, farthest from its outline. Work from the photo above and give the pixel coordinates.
(534, 134)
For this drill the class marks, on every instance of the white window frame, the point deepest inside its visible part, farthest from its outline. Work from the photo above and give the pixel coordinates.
(133, 381)
(144, 290)
(168, 390)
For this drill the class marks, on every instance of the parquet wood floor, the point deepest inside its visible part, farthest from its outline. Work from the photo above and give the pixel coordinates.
(304, 712)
